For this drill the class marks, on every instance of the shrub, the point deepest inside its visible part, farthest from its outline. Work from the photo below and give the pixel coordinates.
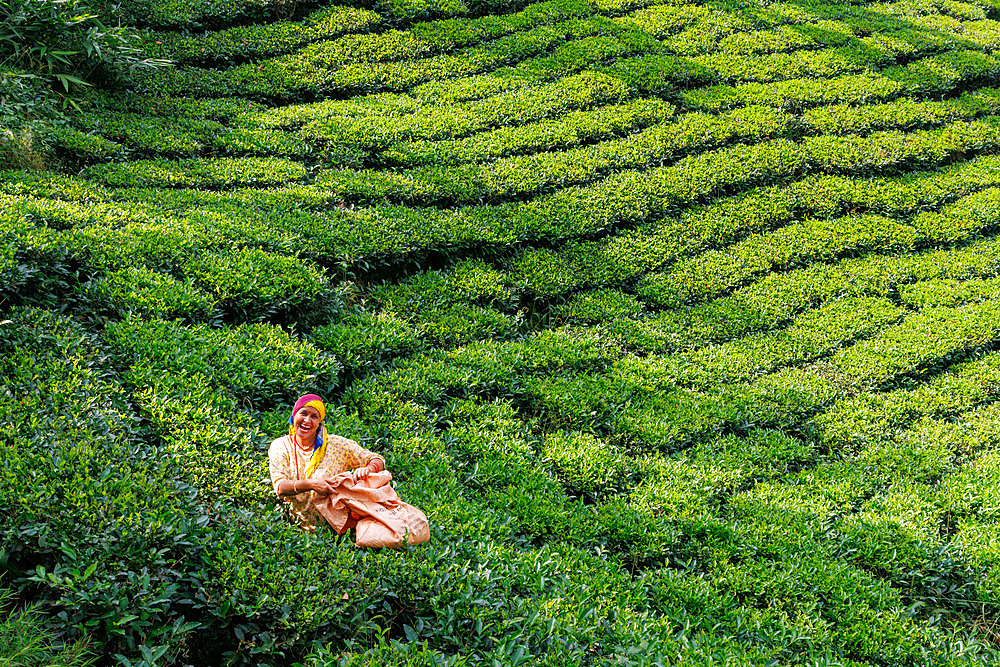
(259, 41)
(253, 284)
(404, 11)
(599, 306)
(181, 13)
(717, 271)
(469, 281)
(161, 245)
(970, 491)
(533, 174)
(365, 342)
(272, 142)
(308, 71)
(587, 466)
(776, 298)
(758, 455)
(218, 109)
(145, 292)
(859, 55)
(659, 74)
(681, 490)
(168, 136)
(814, 334)
(618, 259)
(580, 401)
(34, 266)
(208, 173)
(520, 106)
(857, 420)
(484, 368)
(948, 292)
(460, 324)
(895, 531)
(24, 639)
(573, 128)
(933, 336)
(64, 42)
(84, 148)
(932, 75)
(256, 363)
(81, 436)
(904, 113)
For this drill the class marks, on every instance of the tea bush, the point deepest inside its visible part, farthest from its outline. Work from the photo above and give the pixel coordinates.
(860, 55)
(676, 319)
(571, 129)
(585, 465)
(935, 335)
(143, 291)
(255, 284)
(85, 148)
(178, 13)
(209, 173)
(528, 175)
(866, 417)
(520, 106)
(152, 106)
(812, 335)
(947, 292)
(258, 41)
(715, 272)
(169, 347)
(307, 72)
(776, 298)
(168, 135)
(904, 113)
(76, 450)
(932, 75)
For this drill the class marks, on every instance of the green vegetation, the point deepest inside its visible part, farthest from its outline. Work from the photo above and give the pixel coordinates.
(678, 319)
(50, 51)
(25, 642)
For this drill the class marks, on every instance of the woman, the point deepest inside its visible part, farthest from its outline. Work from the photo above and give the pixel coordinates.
(302, 461)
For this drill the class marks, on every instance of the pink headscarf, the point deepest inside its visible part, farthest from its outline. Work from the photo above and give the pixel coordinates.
(312, 401)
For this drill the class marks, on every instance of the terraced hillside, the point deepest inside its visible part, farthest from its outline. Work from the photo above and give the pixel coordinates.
(679, 319)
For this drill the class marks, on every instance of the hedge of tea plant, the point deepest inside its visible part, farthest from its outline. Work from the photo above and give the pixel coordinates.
(678, 319)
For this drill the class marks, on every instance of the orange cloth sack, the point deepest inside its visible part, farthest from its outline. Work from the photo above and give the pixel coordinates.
(382, 519)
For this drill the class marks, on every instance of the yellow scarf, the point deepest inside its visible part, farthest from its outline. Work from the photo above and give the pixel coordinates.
(317, 455)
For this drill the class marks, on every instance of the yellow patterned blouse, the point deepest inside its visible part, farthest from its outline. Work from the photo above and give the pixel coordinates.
(286, 461)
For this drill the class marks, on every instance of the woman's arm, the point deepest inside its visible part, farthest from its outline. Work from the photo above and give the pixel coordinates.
(293, 487)
(281, 472)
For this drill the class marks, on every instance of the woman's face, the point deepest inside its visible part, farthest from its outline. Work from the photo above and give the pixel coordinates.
(306, 421)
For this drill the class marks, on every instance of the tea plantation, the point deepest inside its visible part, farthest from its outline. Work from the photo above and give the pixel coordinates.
(680, 319)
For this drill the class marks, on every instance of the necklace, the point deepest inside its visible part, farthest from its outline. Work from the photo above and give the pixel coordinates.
(298, 447)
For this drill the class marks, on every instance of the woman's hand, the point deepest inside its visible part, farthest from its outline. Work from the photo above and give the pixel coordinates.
(321, 487)
(364, 471)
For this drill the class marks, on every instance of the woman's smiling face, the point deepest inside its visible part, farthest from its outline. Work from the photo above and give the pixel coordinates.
(306, 421)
